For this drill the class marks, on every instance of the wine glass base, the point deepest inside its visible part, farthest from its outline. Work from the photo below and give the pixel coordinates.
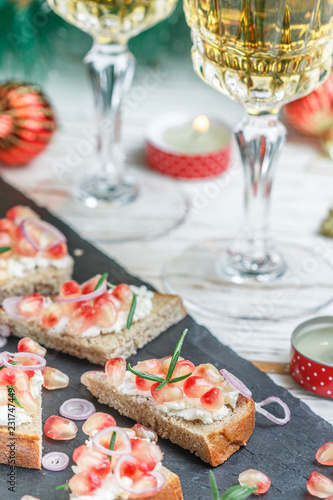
(155, 208)
(198, 275)
(96, 191)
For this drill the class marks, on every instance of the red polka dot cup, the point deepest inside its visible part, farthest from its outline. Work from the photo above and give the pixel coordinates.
(311, 364)
(188, 146)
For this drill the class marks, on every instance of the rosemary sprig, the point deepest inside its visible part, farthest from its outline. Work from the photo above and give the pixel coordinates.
(237, 492)
(131, 312)
(172, 366)
(112, 443)
(101, 280)
(5, 249)
(62, 486)
(13, 395)
(11, 362)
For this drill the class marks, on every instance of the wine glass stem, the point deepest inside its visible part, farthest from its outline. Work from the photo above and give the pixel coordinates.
(260, 139)
(111, 69)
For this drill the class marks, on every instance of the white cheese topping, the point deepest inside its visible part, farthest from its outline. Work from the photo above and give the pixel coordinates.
(19, 266)
(144, 306)
(188, 408)
(20, 414)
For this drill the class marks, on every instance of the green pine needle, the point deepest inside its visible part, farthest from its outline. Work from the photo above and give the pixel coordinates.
(131, 312)
(101, 280)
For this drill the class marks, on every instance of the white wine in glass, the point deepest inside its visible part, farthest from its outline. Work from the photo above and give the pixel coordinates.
(263, 54)
(112, 23)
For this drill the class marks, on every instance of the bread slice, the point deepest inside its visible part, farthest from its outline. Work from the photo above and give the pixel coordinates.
(213, 443)
(167, 310)
(46, 281)
(27, 443)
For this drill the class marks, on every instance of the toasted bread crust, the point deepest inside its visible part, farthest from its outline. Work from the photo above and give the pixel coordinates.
(167, 310)
(46, 281)
(27, 443)
(213, 443)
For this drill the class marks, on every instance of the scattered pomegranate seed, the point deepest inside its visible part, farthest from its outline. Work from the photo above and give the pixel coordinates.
(213, 399)
(195, 387)
(84, 379)
(94, 461)
(31, 305)
(319, 485)
(70, 289)
(54, 379)
(28, 402)
(143, 432)
(148, 454)
(115, 370)
(325, 454)
(57, 252)
(19, 213)
(124, 294)
(84, 483)
(28, 345)
(170, 392)
(51, 315)
(209, 373)
(60, 429)
(97, 422)
(252, 477)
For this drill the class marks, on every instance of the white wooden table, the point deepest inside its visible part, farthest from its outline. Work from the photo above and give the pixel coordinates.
(301, 198)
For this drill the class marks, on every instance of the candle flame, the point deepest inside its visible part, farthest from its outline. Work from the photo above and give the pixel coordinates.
(201, 124)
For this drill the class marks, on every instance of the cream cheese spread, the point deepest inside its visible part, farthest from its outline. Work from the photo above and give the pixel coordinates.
(19, 267)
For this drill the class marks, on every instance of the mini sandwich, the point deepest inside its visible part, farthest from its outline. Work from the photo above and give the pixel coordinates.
(96, 320)
(121, 464)
(193, 406)
(33, 255)
(21, 383)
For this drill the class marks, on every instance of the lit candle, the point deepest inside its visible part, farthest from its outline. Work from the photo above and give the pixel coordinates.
(188, 146)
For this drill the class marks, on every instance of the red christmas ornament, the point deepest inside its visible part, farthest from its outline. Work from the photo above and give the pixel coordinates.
(313, 115)
(27, 123)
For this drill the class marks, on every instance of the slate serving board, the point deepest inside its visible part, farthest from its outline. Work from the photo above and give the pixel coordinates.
(285, 453)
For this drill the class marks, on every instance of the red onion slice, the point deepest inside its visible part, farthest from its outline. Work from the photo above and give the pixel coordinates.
(52, 235)
(5, 356)
(10, 305)
(143, 493)
(236, 383)
(4, 330)
(55, 461)
(276, 420)
(77, 409)
(89, 296)
(109, 430)
(3, 342)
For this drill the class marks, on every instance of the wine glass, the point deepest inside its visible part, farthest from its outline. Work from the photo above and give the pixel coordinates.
(262, 54)
(112, 23)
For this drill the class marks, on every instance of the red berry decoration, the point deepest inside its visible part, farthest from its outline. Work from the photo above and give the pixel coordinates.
(27, 123)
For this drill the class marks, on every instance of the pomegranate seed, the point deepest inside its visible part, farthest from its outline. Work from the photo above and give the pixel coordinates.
(28, 345)
(84, 376)
(31, 305)
(130, 432)
(84, 483)
(115, 370)
(70, 289)
(142, 384)
(25, 248)
(151, 366)
(78, 451)
(165, 363)
(129, 469)
(182, 368)
(213, 399)
(3, 395)
(57, 252)
(51, 315)
(82, 320)
(18, 378)
(97, 422)
(195, 387)
(54, 379)
(124, 294)
(144, 481)
(107, 313)
(252, 477)
(6, 226)
(90, 285)
(60, 428)
(319, 486)
(28, 402)
(148, 454)
(143, 432)
(94, 461)
(209, 373)
(170, 392)
(19, 213)
(325, 454)
(5, 241)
